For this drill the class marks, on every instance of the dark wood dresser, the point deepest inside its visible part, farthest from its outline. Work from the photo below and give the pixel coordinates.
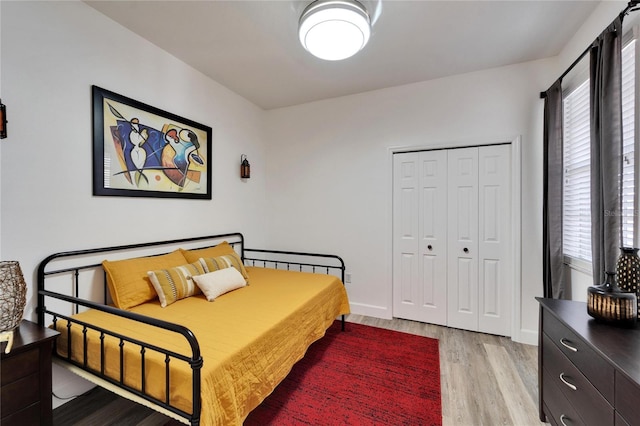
(25, 376)
(589, 372)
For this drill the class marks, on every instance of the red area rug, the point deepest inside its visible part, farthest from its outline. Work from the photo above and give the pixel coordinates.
(362, 376)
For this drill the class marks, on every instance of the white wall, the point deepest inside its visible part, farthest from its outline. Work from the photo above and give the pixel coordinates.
(52, 52)
(1, 92)
(329, 169)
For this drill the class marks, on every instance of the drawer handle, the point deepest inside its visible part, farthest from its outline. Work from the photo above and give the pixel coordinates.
(564, 343)
(562, 419)
(571, 386)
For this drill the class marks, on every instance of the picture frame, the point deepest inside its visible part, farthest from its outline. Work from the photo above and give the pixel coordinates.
(143, 151)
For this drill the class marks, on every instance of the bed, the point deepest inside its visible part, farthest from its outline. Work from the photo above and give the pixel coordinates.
(166, 343)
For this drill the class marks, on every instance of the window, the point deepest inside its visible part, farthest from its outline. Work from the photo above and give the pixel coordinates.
(628, 141)
(576, 214)
(576, 135)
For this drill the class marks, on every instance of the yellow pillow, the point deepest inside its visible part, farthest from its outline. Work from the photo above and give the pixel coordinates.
(219, 250)
(127, 279)
(175, 283)
(211, 264)
(222, 249)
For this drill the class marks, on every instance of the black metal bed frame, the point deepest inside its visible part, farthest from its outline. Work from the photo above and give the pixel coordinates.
(266, 258)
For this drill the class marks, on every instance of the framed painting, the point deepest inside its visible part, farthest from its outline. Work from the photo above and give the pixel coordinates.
(143, 151)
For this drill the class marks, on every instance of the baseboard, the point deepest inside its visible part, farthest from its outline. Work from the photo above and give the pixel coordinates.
(528, 337)
(370, 310)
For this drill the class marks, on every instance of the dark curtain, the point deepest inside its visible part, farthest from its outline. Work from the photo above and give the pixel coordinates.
(606, 149)
(552, 260)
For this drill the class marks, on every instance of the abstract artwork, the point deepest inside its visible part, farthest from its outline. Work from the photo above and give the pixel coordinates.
(142, 151)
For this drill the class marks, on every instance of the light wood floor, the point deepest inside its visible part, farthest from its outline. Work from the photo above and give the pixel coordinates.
(485, 379)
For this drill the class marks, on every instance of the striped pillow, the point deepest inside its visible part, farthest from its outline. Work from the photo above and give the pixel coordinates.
(175, 283)
(211, 264)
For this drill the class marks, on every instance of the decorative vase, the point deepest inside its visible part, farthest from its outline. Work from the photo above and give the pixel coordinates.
(13, 292)
(607, 303)
(628, 271)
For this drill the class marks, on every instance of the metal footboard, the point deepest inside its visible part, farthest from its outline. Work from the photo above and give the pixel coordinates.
(194, 360)
(48, 270)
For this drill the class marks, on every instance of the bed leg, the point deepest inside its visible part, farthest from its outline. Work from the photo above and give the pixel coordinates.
(342, 322)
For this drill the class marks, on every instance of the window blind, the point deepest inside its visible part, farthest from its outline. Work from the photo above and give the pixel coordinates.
(628, 142)
(577, 171)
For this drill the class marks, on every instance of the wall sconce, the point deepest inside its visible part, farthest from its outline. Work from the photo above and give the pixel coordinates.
(245, 167)
(3, 120)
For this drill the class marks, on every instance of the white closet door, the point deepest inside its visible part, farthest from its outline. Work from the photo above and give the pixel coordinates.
(406, 202)
(420, 280)
(463, 238)
(452, 254)
(494, 164)
(433, 237)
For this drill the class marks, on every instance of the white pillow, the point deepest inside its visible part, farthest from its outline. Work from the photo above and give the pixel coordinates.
(215, 283)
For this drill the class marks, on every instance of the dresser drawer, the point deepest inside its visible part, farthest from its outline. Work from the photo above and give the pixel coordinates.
(593, 367)
(25, 395)
(19, 366)
(579, 392)
(20, 394)
(29, 416)
(620, 421)
(627, 393)
(557, 407)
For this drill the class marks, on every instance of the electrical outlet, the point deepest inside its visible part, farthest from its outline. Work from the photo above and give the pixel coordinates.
(347, 277)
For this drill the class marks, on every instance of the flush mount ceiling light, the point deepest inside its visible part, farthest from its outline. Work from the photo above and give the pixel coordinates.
(334, 29)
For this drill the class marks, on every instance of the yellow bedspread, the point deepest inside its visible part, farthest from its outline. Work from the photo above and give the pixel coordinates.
(249, 339)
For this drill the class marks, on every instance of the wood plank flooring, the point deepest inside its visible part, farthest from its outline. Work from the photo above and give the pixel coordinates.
(485, 379)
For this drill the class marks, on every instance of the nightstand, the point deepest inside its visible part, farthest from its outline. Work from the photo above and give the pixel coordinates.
(25, 376)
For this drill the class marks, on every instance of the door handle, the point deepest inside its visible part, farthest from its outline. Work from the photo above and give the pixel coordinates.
(430, 247)
(466, 250)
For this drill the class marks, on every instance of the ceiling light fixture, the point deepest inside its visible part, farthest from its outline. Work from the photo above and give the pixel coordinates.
(334, 29)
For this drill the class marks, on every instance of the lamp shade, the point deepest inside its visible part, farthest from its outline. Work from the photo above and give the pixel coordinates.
(334, 29)
(13, 292)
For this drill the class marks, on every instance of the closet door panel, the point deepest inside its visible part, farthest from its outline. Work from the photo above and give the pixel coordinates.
(490, 289)
(420, 281)
(406, 264)
(465, 281)
(494, 178)
(429, 260)
(433, 233)
(462, 241)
